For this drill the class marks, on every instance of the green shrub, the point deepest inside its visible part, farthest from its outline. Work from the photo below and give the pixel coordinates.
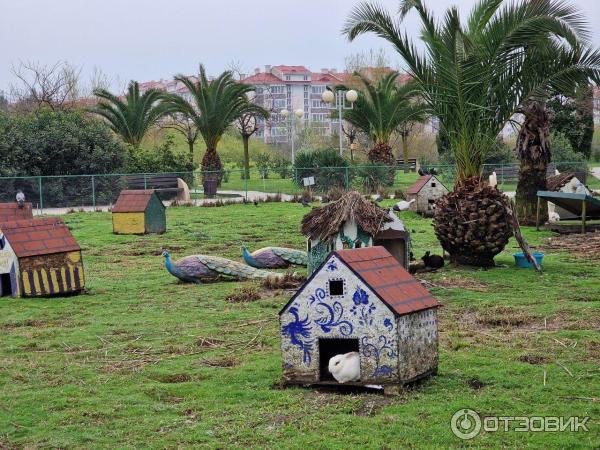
(161, 159)
(327, 166)
(263, 164)
(281, 166)
(375, 176)
(565, 158)
(58, 143)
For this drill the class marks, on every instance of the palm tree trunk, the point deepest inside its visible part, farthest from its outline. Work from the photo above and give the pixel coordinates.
(211, 172)
(382, 153)
(246, 141)
(405, 152)
(533, 149)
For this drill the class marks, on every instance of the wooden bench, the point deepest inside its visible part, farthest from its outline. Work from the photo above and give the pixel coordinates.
(412, 164)
(166, 184)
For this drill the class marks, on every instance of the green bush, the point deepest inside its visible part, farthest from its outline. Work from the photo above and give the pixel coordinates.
(327, 166)
(564, 157)
(263, 164)
(281, 166)
(375, 176)
(161, 159)
(58, 143)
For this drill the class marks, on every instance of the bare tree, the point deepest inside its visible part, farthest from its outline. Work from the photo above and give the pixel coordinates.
(53, 86)
(184, 125)
(248, 124)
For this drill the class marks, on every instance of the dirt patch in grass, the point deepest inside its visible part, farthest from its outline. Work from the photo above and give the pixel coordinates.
(457, 281)
(209, 342)
(504, 316)
(286, 282)
(582, 246)
(244, 294)
(533, 359)
(27, 323)
(476, 384)
(173, 378)
(222, 363)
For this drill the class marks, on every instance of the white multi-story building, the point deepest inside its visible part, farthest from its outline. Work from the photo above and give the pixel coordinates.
(292, 88)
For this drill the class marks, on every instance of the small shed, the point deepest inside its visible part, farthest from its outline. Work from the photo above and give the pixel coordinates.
(426, 191)
(363, 301)
(566, 182)
(139, 212)
(353, 222)
(12, 211)
(39, 257)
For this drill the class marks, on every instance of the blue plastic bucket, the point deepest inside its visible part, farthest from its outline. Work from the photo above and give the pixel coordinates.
(521, 260)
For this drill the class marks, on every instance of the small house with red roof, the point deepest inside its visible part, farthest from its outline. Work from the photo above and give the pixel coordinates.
(14, 211)
(39, 257)
(139, 212)
(425, 192)
(360, 300)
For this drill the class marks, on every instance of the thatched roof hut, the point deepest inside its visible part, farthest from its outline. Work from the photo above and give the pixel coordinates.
(325, 222)
(557, 182)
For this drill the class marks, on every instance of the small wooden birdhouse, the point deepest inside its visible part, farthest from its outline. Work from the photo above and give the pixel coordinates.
(139, 212)
(353, 222)
(426, 191)
(14, 211)
(39, 257)
(363, 301)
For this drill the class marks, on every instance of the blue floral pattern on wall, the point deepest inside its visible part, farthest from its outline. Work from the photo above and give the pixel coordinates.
(319, 294)
(383, 346)
(388, 324)
(362, 307)
(299, 333)
(333, 318)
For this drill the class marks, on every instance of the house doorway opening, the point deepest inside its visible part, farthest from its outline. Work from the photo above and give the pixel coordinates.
(329, 348)
(5, 285)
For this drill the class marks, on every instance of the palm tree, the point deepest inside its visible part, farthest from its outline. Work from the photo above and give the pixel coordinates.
(533, 142)
(380, 110)
(215, 105)
(132, 116)
(474, 77)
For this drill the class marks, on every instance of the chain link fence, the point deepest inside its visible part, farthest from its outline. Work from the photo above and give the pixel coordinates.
(100, 191)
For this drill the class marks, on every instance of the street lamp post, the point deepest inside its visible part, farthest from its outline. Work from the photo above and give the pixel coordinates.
(340, 97)
(297, 114)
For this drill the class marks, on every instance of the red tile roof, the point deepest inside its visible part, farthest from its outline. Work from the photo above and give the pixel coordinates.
(43, 236)
(416, 188)
(261, 78)
(291, 69)
(11, 211)
(388, 279)
(133, 201)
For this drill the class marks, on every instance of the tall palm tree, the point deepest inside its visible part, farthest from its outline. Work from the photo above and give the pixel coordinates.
(133, 115)
(381, 109)
(533, 142)
(214, 107)
(474, 77)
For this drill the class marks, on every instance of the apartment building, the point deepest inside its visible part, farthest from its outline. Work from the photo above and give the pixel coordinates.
(292, 88)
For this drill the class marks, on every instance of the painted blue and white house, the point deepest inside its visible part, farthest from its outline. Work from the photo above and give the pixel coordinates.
(360, 300)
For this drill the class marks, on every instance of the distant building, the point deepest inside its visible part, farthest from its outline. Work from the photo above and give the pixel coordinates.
(292, 88)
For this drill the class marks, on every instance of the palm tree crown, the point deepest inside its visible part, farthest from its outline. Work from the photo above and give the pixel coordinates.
(132, 116)
(384, 106)
(475, 76)
(215, 105)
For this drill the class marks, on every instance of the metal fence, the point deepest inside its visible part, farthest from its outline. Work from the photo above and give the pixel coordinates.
(97, 191)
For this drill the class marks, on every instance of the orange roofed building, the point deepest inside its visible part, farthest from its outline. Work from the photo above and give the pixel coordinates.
(39, 257)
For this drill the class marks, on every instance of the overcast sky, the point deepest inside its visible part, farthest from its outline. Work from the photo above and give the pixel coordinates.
(153, 39)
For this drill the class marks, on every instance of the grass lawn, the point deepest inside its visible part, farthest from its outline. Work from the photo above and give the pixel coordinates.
(141, 360)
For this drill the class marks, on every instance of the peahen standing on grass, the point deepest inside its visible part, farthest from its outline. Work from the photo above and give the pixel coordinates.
(274, 257)
(202, 268)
